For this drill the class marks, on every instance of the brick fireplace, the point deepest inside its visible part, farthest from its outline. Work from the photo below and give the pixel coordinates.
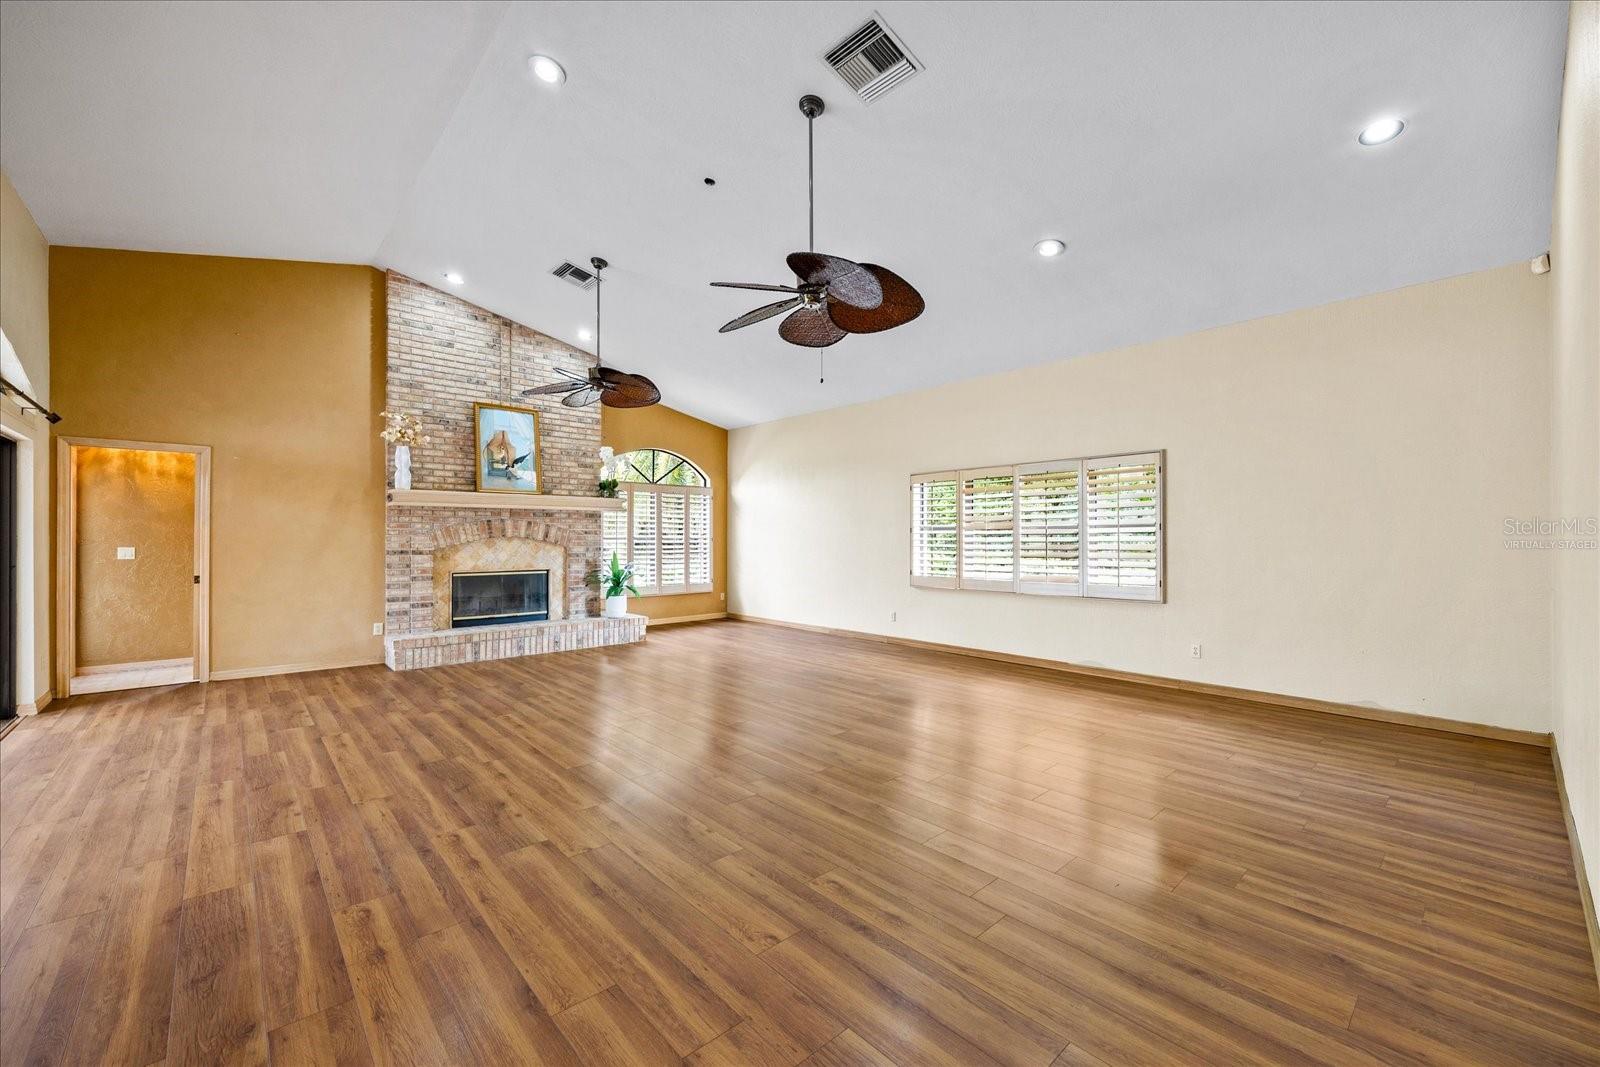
(444, 354)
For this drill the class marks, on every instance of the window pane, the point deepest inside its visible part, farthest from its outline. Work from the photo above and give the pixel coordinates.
(682, 472)
(700, 539)
(987, 537)
(644, 539)
(614, 533)
(1123, 526)
(671, 517)
(933, 529)
(635, 466)
(658, 467)
(1047, 537)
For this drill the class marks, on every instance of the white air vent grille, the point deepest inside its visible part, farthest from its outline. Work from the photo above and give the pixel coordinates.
(872, 60)
(574, 275)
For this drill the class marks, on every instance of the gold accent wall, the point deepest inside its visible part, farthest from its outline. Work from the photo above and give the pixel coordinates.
(278, 366)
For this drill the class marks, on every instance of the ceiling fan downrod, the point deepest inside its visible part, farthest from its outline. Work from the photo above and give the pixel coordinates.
(811, 106)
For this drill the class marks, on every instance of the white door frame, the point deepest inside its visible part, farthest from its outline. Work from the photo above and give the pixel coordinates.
(67, 552)
(27, 695)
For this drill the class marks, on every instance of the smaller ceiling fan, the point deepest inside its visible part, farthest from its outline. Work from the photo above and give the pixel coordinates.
(611, 387)
(834, 296)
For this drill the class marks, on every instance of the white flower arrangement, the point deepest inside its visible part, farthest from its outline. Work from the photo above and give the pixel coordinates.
(610, 466)
(402, 429)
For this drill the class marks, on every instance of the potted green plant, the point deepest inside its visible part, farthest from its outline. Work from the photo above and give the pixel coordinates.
(614, 583)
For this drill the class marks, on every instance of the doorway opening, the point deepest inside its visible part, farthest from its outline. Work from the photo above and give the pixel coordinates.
(9, 548)
(132, 582)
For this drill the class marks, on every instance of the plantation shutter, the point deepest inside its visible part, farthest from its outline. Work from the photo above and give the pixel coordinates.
(671, 520)
(988, 535)
(934, 546)
(645, 571)
(1048, 519)
(1122, 527)
(614, 534)
(700, 541)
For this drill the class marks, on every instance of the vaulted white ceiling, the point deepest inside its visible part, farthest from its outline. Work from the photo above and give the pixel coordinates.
(1199, 159)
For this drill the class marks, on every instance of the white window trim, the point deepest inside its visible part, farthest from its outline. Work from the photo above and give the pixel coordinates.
(1082, 588)
(685, 491)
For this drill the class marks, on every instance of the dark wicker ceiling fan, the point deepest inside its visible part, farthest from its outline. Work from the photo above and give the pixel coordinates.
(611, 387)
(833, 297)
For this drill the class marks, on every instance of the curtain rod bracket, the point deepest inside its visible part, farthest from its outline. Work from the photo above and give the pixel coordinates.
(7, 387)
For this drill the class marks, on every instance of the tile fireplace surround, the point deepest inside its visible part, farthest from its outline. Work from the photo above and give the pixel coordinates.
(444, 354)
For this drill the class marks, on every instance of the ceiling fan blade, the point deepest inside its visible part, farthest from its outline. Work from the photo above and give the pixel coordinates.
(581, 398)
(810, 328)
(553, 387)
(630, 391)
(901, 304)
(845, 280)
(755, 285)
(751, 317)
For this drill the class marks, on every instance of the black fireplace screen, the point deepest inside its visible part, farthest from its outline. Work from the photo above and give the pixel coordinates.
(488, 598)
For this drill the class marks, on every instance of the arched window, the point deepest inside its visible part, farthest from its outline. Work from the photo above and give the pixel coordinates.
(659, 467)
(665, 531)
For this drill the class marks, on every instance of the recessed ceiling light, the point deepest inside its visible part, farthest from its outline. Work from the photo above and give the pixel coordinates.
(585, 334)
(1049, 247)
(547, 70)
(1381, 131)
(453, 278)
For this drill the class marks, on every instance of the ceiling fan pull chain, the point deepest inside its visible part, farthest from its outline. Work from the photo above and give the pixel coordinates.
(821, 377)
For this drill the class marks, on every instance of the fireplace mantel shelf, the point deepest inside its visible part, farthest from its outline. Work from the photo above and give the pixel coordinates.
(451, 498)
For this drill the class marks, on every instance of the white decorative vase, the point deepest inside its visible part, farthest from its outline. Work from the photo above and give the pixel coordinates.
(402, 466)
(616, 607)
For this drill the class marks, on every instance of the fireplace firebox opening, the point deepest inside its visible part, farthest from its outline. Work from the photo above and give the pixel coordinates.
(493, 598)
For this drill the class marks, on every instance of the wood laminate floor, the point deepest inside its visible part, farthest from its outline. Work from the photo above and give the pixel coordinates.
(735, 843)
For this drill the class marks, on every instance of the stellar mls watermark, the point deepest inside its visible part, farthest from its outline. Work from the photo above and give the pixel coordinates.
(1565, 533)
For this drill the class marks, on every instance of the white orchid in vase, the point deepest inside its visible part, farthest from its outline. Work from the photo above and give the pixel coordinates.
(609, 468)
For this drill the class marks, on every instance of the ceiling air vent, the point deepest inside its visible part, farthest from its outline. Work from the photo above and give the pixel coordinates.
(872, 60)
(574, 275)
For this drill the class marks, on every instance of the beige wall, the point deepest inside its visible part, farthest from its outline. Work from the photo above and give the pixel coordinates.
(279, 367)
(707, 447)
(134, 611)
(1337, 482)
(1575, 478)
(25, 318)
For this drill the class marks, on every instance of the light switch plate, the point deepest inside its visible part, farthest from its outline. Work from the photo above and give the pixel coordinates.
(124, 551)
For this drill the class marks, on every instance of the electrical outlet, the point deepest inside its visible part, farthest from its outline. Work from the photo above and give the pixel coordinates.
(1194, 651)
(124, 551)
(723, 597)
(894, 616)
(377, 629)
